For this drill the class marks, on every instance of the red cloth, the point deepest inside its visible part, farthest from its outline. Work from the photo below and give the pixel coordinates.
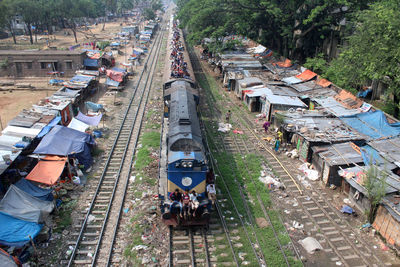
(116, 76)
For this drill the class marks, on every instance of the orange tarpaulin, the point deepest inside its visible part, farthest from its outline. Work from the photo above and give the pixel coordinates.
(47, 171)
(348, 100)
(306, 75)
(286, 64)
(324, 82)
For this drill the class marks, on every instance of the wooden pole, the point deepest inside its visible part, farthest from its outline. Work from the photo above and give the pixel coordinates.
(1, 124)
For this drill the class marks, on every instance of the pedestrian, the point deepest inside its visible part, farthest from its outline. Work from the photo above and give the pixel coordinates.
(145, 67)
(211, 193)
(266, 126)
(228, 116)
(278, 141)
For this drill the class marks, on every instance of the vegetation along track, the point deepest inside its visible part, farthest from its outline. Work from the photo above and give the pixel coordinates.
(320, 217)
(98, 228)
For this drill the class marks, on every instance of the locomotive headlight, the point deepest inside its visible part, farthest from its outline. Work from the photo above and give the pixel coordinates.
(190, 164)
(184, 164)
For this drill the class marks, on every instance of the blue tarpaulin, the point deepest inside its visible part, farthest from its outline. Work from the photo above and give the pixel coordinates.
(48, 127)
(64, 141)
(33, 190)
(118, 69)
(112, 82)
(368, 154)
(16, 232)
(81, 78)
(372, 124)
(88, 62)
(93, 106)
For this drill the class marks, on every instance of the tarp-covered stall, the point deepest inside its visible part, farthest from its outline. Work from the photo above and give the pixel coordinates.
(64, 141)
(23, 206)
(33, 190)
(16, 232)
(48, 170)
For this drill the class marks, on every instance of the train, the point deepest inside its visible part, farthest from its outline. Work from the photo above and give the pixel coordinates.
(183, 159)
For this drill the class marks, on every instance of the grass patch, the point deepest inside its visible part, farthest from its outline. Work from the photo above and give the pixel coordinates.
(64, 220)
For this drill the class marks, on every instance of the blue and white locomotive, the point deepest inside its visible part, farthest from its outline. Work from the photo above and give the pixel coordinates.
(183, 162)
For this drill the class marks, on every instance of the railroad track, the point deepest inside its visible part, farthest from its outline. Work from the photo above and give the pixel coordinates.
(97, 231)
(239, 223)
(316, 209)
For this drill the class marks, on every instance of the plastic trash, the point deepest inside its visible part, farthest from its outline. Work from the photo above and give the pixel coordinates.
(310, 244)
(347, 209)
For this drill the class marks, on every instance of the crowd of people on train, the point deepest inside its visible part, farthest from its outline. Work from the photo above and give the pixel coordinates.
(178, 64)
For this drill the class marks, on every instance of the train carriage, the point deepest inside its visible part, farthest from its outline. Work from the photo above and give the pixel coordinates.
(183, 162)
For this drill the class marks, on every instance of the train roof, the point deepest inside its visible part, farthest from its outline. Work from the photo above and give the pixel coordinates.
(167, 69)
(178, 85)
(184, 128)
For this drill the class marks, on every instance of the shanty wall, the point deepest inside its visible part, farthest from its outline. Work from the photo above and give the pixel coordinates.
(39, 65)
(387, 226)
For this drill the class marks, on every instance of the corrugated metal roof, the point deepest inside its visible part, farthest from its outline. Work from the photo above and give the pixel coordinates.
(388, 148)
(291, 80)
(258, 92)
(334, 107)
(285, 100)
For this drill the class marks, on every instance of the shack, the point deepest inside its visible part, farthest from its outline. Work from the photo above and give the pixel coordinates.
(252, 98)
(40, 63)
(271, 103)
(246, 84)
(328, 160)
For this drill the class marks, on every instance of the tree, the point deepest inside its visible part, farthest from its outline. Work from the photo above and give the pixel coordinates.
(7, 15)
(149, 14)
(375, 185)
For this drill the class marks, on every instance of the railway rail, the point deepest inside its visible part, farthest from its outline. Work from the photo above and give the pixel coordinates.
(315, 208)
(96, 234)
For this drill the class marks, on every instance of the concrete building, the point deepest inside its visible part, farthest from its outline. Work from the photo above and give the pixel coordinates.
(42, 63)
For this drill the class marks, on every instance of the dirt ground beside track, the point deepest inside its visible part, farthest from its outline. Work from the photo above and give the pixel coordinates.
(13, 100)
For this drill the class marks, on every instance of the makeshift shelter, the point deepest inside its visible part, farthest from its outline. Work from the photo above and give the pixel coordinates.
(91, 63)
(48, 170)
(252, 98)
(35, 191)
(271, 103)
(78, 125)
(64, 141)
(373, 124)
(23, 206)
(329, 159)
(16, 232)
(90, 120)
(387, 221)
(247, 83)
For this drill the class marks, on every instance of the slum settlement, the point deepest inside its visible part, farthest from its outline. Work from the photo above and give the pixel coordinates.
(339, 136)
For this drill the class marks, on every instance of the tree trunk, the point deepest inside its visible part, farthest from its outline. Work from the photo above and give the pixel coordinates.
(372, 211)
(374, 87)
(12, 32)
(74, 31)
(396, 100)
(30, 32)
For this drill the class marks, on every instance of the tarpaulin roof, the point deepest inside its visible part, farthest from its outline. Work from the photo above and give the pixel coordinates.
(89, 62)
(16, 232)
(33, 190)
(6, 260)
(47, 171)
(90, 120)
(324, 82)
(348, 100)
(112, 82)
(78, 125)
(21, 131)
(63, 141)
(373, 124)
(115, 75)
(286, 64)
(49, 126)
(119, 69)
(23, 206)
(81, 79)
(306, 75)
